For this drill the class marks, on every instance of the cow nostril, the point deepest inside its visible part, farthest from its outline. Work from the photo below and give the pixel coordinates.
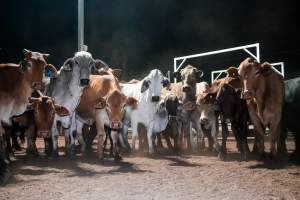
(115, 125)
(155, 99)
(203, 120)
(84, 81)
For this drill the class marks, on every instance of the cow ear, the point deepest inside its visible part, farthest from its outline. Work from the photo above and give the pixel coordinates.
(45, 56)
(61, 110)
(177, 75)
(68, 64)
(130, 101)
(100, 104)
(199, 74)
(232, 72)
(145, 85)
(265, 68)
(27, 54)
(166, 83)
(117, 73)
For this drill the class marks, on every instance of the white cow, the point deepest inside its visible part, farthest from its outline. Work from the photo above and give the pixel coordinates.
(67, 89)
(148, 94)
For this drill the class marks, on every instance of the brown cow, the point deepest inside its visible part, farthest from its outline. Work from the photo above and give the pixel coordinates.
(102, 102)
(39, 119)
(263, 89)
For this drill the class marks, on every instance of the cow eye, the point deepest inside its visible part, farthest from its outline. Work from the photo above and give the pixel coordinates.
(76, 62)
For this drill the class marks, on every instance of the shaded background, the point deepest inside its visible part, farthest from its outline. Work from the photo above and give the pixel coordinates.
(140, 35)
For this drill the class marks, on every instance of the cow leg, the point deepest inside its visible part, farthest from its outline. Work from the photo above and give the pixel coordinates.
(134, 135)
(80, 137)
(149, 137)
(159, 141)
(68, 137)
(259, 133)
(5, 173)
(191, 138)
(114, 136)
(125, 137)
(31, 139)
(214, 137)
(200, 136)
(7, 137)
(274, 132)
(225, 134)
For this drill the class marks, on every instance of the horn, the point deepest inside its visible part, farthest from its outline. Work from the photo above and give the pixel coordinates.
(39, 93)
(52, 68)
(25, 51)
(33, 99)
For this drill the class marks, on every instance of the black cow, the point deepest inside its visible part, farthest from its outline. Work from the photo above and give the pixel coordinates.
(232, 109)
(290, 118)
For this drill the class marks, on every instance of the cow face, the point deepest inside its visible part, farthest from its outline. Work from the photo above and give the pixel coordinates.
(115, 107)
(206, 107)
(35, 67)
(44, 112)
(227, 100)
(249, 73)
(189, 77)
(80, 67)
(154, 83)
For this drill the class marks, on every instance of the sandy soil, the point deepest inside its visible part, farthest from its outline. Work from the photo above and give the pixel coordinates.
(165, 176)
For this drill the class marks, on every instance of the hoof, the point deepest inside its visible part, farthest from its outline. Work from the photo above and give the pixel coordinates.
(118, 157)
(32, 152)
(222, 155)
(5, 176)
(55, 154)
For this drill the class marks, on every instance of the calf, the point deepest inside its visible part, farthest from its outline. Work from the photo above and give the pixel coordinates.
(206, 113)
(39, 120)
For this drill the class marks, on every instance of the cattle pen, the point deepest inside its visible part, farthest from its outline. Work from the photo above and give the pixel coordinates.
(149, 100)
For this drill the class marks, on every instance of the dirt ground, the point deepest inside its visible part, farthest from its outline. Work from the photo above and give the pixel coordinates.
(197, 176)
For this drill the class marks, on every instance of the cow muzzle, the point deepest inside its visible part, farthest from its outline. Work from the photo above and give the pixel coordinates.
(204, 121)
(247, 94)
(84, 82)
(186, 88)
(155, 98)
(116, 125)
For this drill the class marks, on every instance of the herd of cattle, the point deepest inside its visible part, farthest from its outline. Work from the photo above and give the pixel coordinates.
(85, 99)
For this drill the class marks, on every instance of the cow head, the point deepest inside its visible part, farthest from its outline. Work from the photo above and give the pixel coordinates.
(114, 105)
(153, 83)
(34, 67)
(79, 67)
(206, 107)
(189, 76)
(251, 74)
(44, 111)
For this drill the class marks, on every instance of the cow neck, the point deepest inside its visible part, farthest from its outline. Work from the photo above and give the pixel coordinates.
(65, 90)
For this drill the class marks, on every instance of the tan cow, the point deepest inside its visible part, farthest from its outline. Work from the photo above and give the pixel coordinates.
(263, 89)
(103, 102)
